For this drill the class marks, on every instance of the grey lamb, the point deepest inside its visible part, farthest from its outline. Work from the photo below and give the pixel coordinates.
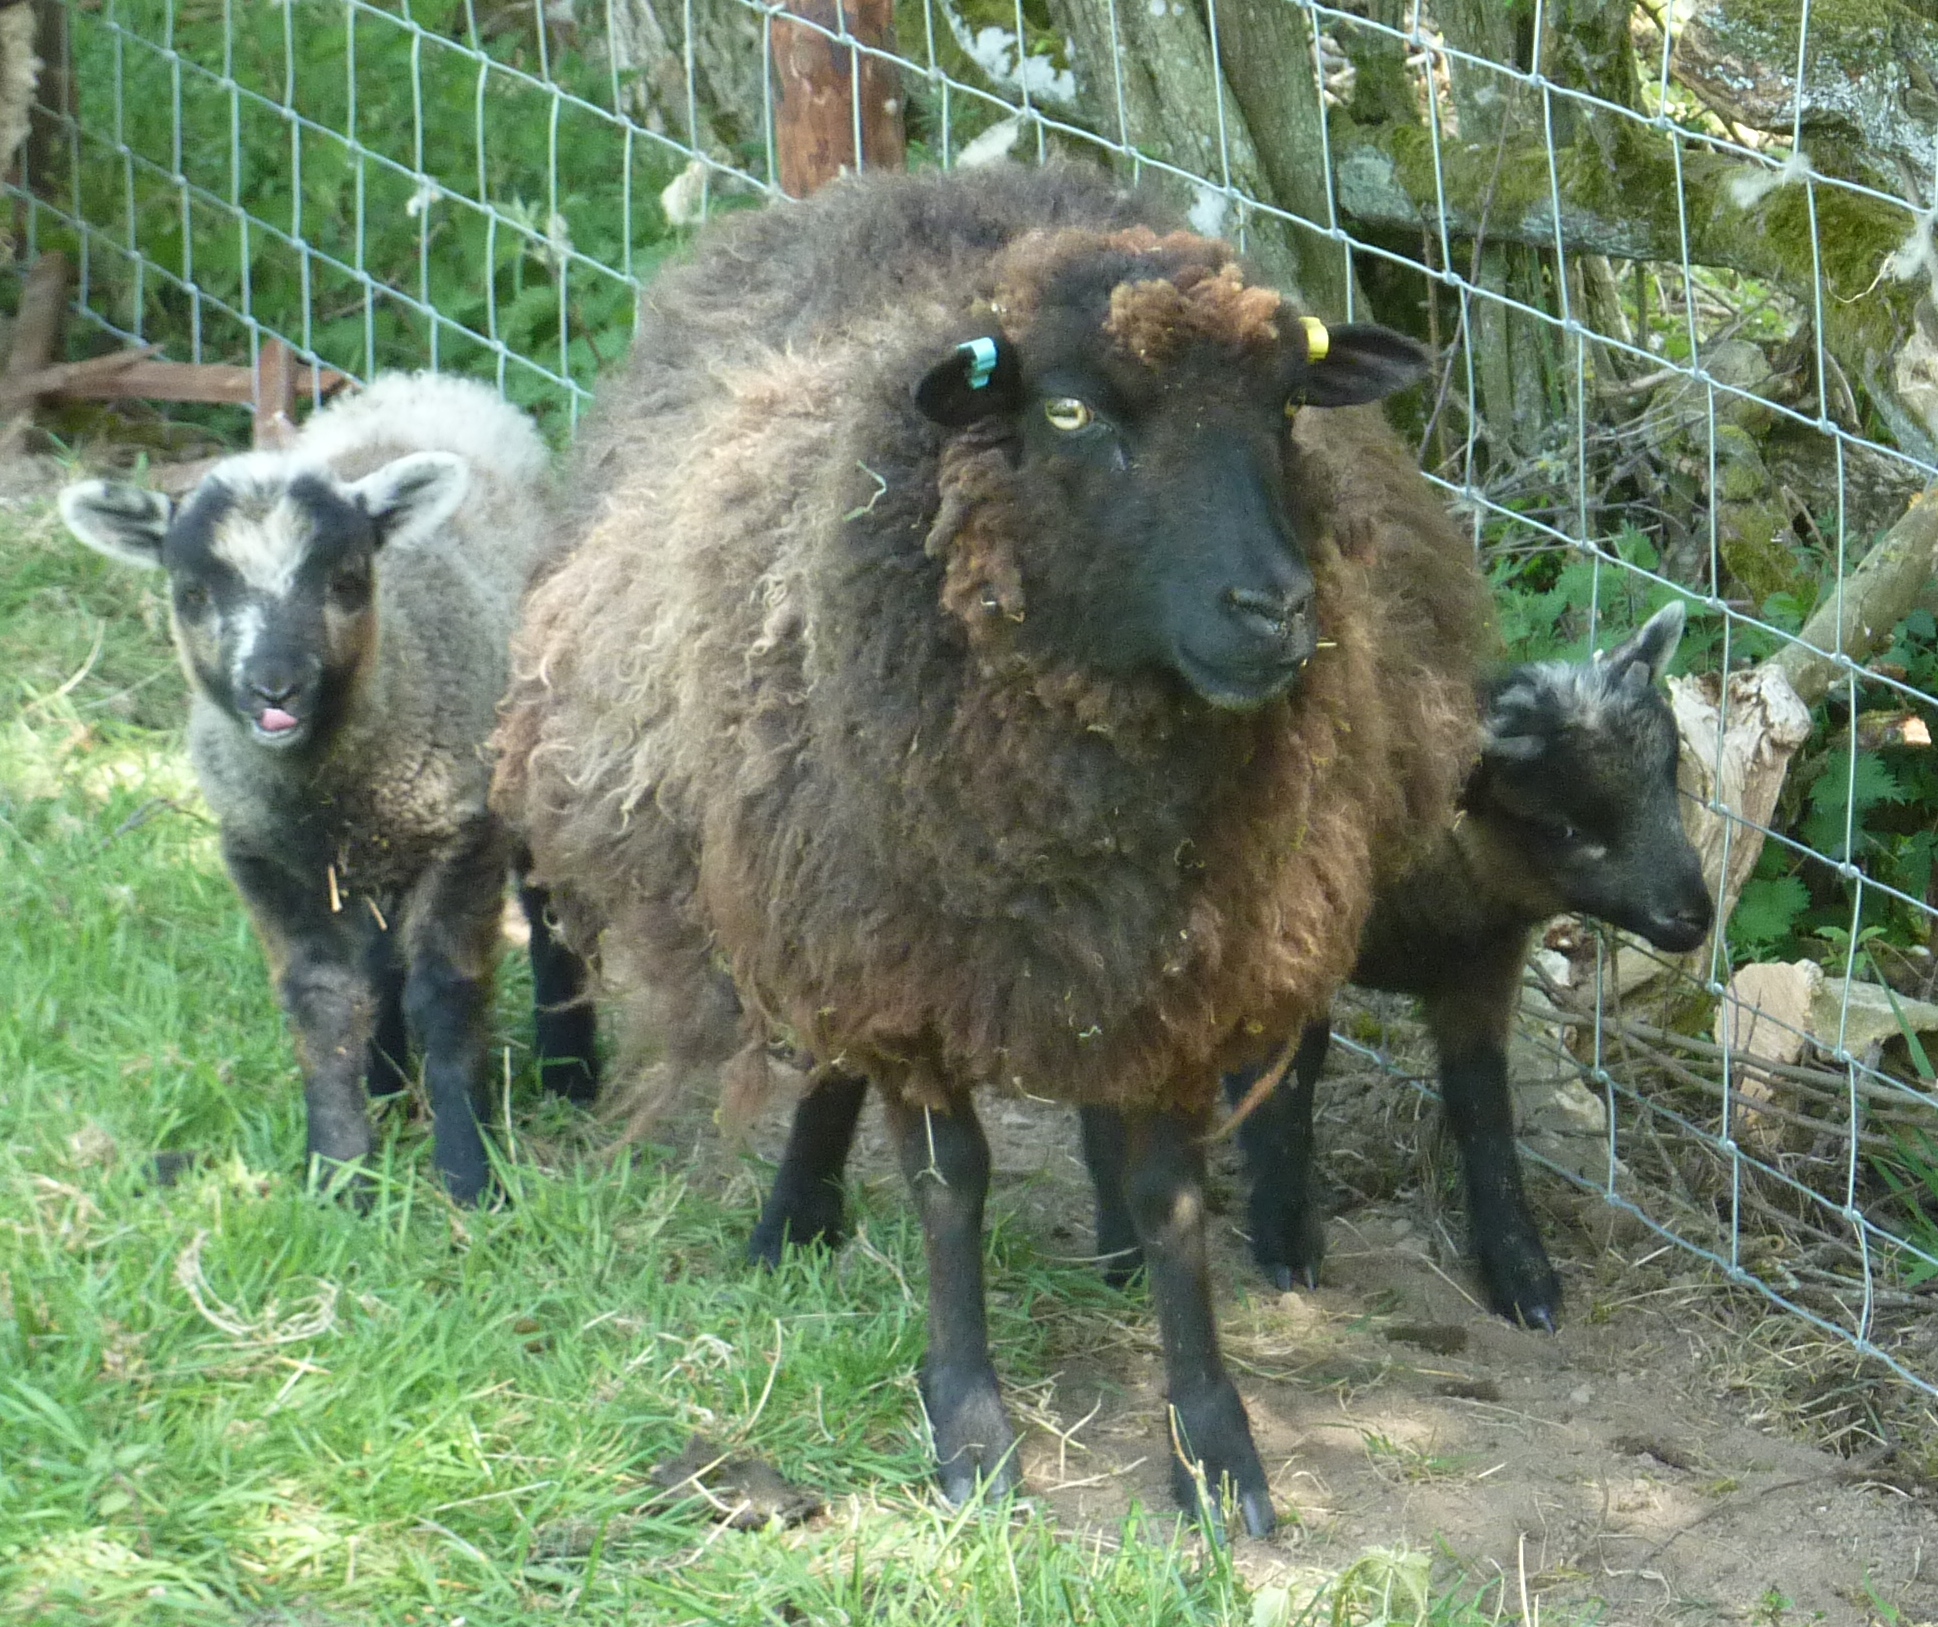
(343, 611)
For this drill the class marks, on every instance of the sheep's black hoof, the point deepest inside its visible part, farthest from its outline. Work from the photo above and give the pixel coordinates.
(1521, 1284)
(974, 1445)
(810, 1215)
(1122, 1267)
(567, 1043)
(1285, 1279)
(166, 1168)
(463, 1165)
(1288, 1240)
(1212, 1429)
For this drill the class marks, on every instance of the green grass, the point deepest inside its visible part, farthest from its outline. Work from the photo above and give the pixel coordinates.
(232, 1400)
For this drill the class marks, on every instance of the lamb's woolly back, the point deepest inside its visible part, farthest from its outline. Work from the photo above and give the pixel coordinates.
(763, 711)
(428, 412)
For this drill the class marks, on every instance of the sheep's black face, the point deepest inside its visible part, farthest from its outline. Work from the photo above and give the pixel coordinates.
(1160, 526)
(1582, 761)
(271, 576)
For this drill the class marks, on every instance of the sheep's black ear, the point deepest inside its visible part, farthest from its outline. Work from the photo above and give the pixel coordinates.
(1643, 658)
(412, 496)
(122, 521)
(1356, 363)
(977, 378)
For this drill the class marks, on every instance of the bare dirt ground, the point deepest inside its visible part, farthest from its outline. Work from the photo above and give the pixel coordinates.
(1625, 1470)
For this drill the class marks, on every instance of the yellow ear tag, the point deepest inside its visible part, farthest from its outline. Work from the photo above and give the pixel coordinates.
(1317, 340)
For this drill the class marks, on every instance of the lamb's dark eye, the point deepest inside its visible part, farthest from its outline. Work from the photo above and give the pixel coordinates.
(1567, 834)
(191, 600)
(1067, 413)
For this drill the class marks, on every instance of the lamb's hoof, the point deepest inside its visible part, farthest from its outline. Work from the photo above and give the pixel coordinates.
(1288, 1237)
(975, 1449)
(1521, 1285)
(811, 1220)
(348, 1180)
(1121, 1268)
(1213, 1439)
(570, 1078)
(1285, 1279)
(468, 1187)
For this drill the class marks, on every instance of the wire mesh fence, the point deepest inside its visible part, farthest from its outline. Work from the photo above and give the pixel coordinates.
(1672, 273)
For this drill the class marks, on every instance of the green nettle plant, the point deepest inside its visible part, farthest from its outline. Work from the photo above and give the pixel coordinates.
(477, 194)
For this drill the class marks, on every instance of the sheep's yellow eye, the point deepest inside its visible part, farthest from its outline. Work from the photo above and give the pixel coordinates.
(1068, 414)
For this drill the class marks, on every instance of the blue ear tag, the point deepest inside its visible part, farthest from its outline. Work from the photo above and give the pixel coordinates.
(982, 361)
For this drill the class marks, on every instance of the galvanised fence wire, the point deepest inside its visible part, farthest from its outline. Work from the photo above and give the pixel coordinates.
(1672, 264)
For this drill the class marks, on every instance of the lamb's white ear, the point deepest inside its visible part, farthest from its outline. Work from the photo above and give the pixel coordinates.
(412, 496)
(1643, 658)
(124, 522)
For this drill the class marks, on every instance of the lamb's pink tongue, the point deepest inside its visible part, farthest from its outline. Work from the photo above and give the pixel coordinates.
(275, 720)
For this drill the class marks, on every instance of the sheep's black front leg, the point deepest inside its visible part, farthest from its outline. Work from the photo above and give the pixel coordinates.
(1470, 1028)
(1164, 1185)
(321, 980)
(452, 949)
(946, 1160)
(1286, 1215)
(387, 1073)
(805, 1205)
(1103, 1155)
(565, 1026)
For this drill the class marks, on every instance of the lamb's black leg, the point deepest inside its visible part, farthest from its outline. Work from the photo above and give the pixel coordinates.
(565, 1026)
(805, 1205)
(946, 1160)
(1521, 1283)
(1287, 1217)
(387, 1072)
(320, 976)
(453, 950)
(1103, 1155)
(1164, 1184)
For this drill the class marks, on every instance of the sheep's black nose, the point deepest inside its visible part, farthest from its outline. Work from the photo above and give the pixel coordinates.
(1279, 616)
(273, 690)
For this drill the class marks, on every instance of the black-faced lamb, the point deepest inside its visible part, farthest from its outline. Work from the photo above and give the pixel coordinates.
(989, 689)
(1572, 807)
(343, 612)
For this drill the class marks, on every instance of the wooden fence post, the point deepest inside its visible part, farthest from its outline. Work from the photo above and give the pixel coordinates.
(275, 401)
(815, 117)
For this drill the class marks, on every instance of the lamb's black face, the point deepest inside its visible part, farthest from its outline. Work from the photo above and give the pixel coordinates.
(1161, 523)
(272, 591)
(270, 571)
(1582, 760)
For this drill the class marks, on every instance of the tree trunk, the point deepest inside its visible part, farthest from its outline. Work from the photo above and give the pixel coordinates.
(1517, 357)
(1266, 50)
(1868, 105)
(720, 110)
(1626, 208)
(1149, 81)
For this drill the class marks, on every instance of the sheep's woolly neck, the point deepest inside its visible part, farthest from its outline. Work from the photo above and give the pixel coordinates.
(776, 710)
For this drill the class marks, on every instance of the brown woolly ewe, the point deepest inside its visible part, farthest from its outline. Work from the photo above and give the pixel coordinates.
(966, 673)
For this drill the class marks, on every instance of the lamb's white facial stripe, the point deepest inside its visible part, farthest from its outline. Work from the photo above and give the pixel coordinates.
(248, 623)
(263, 547)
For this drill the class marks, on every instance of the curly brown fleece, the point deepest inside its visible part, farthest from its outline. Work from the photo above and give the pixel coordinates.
(771, 721)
